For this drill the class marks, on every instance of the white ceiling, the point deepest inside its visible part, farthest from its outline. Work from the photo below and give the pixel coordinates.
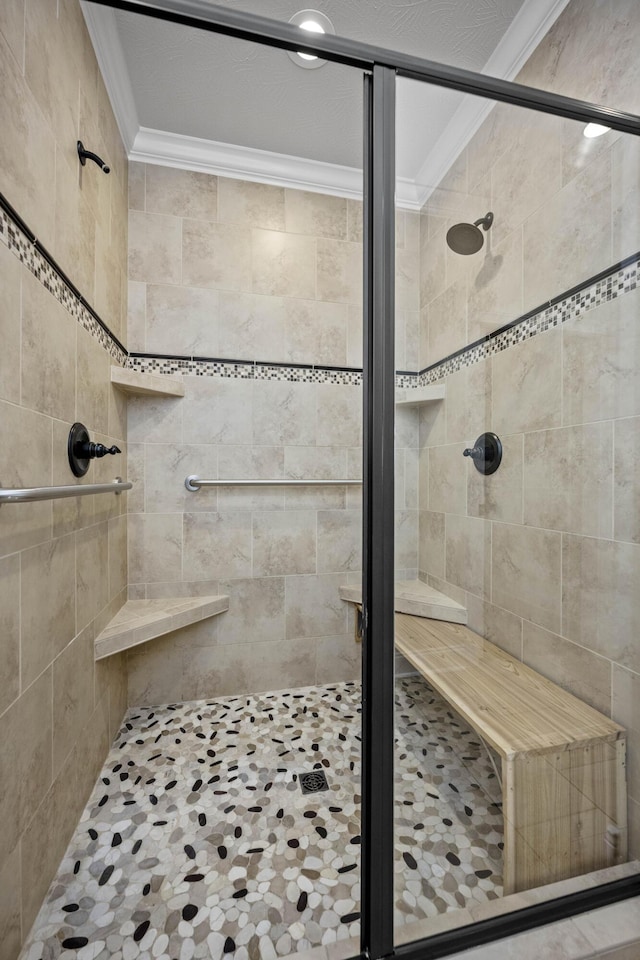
(191, 98)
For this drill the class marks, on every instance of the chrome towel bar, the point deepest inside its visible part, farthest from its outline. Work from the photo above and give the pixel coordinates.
(194, 483)
(27, 494)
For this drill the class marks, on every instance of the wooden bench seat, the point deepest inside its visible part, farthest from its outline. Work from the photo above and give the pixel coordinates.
(563, 763)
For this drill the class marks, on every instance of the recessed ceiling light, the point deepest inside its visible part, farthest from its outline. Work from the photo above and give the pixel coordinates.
(313, 22)
(594, 130)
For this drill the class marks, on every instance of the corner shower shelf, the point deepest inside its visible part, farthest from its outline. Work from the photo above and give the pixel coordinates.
(141, 620)
(145, 384)
(416, 598)
(413, 397)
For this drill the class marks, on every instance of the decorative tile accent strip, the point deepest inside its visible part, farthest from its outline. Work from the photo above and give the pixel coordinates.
(618, 282)
(247, 370)
(33, 259)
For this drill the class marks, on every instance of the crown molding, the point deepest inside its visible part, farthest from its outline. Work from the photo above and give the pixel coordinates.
(146, 145)
(101, 24)
(261, 166)
(532, 22)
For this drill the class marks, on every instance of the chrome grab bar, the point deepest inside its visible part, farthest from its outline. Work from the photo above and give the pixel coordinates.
(28, 494)
(194, 483)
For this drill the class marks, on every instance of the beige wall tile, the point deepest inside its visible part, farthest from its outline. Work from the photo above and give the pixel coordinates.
(339, 271)
(47, 599)
(314, 608)
(406, 542)
(72, 695)
(93, 372)
(155, 254)
(551, 265)
(155, 547)
(565, 486)
(137, 312)
(55, 819)
(496, 625)
(166, 466)
(577, 670)
(315, 463)
(315, 214)
(498, 496)
(432, 264)
(27, 149)
(217, 411)
(137, 185)
(155, 672)
(48, 352)
(448, 479)
(182, 320)
(527, 175)
(25, 461)
(75, 225)
(283, 413)
(10, 281)
(92, 573)
(156, 421)
(10, 938)
(181, 193)
(625, 194)
(526, 383)
(251, 326)
(256, 610)
(283, 265)
(495, 286)
(447, 322)
(468, 554)
(9, 630)
(252, 204)
(468, 403)
(600, 605)
(217, 545)
(117, 545)
(216, 255)
(284, 543)
(431, 543)
(526, 573)
(601, 362)
(625, 709)
(316, 332)
(626, 503)
(339, 415)
(25, 760)
(249, 668)
(338, 659)
(339, 541)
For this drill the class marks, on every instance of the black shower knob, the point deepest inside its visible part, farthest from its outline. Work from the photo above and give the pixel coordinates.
(82, 450)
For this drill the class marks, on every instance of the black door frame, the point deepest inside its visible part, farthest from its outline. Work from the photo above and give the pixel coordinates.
(381, 67)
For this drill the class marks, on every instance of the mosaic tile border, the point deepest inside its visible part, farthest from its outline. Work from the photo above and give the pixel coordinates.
(606, 287)
(245, 370)
(28, 253)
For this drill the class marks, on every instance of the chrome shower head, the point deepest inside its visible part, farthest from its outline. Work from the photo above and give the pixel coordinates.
(467, 238)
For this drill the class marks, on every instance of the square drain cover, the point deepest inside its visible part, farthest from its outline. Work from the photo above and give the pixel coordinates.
(313, 782)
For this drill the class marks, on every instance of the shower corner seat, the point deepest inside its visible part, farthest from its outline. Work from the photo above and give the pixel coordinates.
(139, 621)
(564, 794)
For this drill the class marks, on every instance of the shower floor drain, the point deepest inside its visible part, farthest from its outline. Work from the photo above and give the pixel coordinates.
(313, 782)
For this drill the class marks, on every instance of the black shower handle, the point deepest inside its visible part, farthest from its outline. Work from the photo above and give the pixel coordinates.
(90, 450)
(476, 453)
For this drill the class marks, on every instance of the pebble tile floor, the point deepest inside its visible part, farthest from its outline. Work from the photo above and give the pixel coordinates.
(198, 842)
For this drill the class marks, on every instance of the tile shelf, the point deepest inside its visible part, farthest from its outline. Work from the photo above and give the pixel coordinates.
(417, 599)
(145, 384)
(141, 620)
(415, 397)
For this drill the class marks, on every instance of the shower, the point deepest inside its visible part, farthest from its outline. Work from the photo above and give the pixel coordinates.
(467, 238)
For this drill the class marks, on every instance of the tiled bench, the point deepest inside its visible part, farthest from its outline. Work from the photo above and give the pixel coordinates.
(563, 763)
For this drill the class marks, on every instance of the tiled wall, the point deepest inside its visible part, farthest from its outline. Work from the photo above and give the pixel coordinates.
(226, 268)
(546, 552)
(62, 563)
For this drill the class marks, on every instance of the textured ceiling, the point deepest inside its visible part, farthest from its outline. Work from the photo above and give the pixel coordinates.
(201, 85)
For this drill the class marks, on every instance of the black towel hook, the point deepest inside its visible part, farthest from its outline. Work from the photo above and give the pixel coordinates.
(87, 155)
